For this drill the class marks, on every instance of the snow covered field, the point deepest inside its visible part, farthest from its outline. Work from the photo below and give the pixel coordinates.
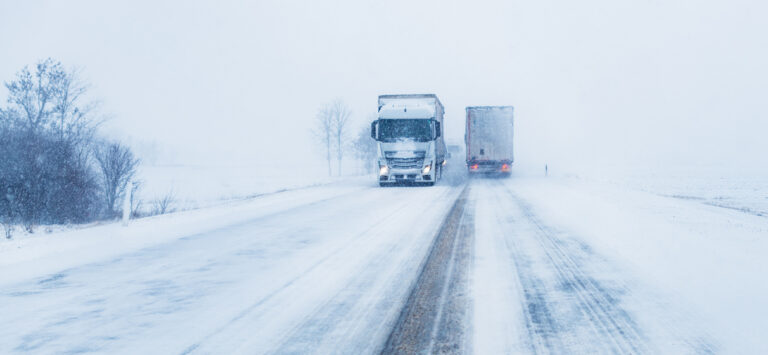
(558, 264)
(737, 189)
(195, 186)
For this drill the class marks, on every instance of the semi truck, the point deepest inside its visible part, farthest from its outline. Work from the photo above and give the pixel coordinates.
(489, 139)
(409, 134)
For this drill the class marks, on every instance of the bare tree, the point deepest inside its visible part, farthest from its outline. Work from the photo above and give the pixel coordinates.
(35, 93)
(118, 166)
(73, 120)
(340, 119)
(331, 130)
(163, 205)
(46, 131)
(323, 131)
(52, 98)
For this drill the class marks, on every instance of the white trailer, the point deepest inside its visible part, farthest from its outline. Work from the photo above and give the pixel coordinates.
(409, 132)
(489, 139)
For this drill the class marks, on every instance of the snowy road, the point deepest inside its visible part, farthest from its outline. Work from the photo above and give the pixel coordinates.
(521, 265)
(539, 289)
(499, 280)
(329, 274)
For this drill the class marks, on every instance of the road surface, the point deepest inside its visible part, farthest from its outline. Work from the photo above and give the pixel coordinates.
(455, 268)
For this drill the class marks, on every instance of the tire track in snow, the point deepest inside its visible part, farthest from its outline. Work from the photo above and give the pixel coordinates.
(577, 301)
(548, 305)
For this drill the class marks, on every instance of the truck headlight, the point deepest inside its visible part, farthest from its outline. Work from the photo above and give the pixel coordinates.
(426, 169)
(383, 170)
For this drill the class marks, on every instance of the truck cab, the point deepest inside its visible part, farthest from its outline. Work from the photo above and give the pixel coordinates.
(409, 135)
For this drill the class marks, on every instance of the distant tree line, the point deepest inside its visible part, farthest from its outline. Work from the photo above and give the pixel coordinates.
(54, 168)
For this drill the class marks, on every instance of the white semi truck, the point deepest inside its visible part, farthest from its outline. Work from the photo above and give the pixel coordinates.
(409, 132)
(489, 139)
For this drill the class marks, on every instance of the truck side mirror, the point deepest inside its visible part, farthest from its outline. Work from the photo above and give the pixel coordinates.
(438, 132)
(373, 129)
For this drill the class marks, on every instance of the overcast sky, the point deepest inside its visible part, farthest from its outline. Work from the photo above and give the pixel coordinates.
(593, 82)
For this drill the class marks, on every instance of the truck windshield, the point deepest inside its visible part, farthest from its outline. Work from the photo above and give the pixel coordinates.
(419, 130)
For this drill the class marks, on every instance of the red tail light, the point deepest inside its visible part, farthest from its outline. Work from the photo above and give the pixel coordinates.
(474, 167)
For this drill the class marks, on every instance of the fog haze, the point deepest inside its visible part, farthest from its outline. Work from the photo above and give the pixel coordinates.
(627, 83)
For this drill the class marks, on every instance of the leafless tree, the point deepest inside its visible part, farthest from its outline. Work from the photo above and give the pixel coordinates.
(73, 120)
(51, 97)
(331, 128)
(339, 120)
(323, 131)
(35, 93)
(46, 133)
(164, 204)
(118, 166)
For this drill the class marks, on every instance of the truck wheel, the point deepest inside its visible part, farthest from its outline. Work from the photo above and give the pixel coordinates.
(381, 184)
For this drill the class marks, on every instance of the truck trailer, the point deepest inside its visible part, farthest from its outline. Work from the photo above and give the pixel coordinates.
(409, 135)
(489, 139)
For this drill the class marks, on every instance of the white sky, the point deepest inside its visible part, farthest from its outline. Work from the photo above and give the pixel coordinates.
(593, 82)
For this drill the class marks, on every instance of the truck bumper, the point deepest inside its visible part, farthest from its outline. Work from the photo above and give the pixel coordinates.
(489, 167)
(397, 176)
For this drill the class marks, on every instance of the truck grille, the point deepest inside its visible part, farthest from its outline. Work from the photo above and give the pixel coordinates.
(414, 160)
(405, 163)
